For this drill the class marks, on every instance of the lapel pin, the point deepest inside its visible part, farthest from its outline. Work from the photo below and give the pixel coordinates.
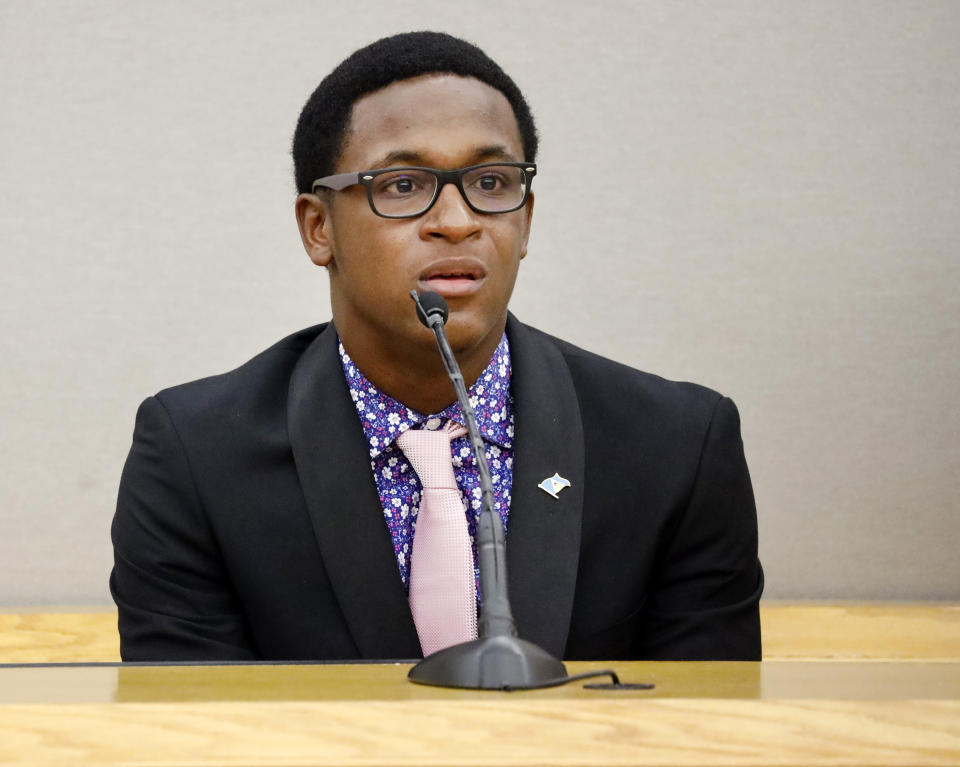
(554, 484)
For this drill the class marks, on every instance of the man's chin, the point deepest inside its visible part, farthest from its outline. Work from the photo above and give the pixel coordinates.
(469, 335)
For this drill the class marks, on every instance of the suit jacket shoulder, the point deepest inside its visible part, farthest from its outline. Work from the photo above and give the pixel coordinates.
(603, 380)
(262, 379)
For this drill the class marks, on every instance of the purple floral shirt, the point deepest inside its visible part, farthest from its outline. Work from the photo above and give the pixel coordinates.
(384, 419)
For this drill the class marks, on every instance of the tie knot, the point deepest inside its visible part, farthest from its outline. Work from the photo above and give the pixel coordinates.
(429, 454)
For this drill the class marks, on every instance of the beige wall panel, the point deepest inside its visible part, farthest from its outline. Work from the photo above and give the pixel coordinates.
(760, 196)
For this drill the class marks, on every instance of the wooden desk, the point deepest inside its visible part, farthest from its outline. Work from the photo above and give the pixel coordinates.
(59, 635)
(787, 713)
(881, 631)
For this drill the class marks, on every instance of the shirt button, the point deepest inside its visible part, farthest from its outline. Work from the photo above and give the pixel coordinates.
(433, 423)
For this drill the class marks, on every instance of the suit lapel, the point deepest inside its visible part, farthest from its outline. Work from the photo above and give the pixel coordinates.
(334, 469)
(543, 538)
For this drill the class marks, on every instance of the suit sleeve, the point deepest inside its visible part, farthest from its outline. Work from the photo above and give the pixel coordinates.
(704, 602)
(173, 598)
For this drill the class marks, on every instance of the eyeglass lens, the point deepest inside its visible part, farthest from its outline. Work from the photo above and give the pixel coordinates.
(407, 192)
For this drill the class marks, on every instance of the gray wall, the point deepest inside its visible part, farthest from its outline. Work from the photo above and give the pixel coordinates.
(762, 194)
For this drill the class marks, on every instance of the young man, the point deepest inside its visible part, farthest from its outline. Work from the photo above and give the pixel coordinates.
(270, 513)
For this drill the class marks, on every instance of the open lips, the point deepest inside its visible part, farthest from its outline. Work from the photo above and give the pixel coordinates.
(453, 278)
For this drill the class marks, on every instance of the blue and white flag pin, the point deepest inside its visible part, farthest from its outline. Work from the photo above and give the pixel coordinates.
(554, 484)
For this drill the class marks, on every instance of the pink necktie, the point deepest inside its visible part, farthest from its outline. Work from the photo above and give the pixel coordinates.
(443, 596)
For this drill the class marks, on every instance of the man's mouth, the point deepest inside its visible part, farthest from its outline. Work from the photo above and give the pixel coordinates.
(452, 279)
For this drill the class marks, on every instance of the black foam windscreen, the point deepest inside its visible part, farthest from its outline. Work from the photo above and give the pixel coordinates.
(431, 304)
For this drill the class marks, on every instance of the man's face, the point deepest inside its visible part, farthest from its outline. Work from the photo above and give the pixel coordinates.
(438, 121)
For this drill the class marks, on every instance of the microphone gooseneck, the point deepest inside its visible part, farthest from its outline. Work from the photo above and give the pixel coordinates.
(495, 617)
(498, 658)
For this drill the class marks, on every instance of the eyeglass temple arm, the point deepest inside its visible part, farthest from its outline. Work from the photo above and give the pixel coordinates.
(338, 182)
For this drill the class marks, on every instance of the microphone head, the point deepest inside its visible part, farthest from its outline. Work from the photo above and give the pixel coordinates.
(430, 306)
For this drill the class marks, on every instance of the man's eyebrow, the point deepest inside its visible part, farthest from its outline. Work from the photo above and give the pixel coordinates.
(398, 157)
(495, 152)
(410, 157)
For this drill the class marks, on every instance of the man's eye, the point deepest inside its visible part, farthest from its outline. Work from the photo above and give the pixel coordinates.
(490, 183)
(401, 185)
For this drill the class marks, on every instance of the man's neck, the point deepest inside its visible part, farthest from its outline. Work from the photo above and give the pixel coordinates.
(415, 375)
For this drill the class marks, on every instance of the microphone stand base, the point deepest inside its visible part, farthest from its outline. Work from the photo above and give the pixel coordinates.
(489, 663)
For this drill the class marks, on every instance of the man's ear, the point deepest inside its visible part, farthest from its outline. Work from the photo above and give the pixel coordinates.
(313, 218)
(528, 211)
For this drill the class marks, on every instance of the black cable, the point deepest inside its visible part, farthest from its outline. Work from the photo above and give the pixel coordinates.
(615, 683)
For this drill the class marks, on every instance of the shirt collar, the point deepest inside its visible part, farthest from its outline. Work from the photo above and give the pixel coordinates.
(384, 419)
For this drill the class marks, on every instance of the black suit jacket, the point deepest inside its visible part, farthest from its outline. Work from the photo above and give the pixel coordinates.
(248, 524)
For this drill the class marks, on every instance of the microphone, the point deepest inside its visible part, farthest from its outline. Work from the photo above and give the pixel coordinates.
(431, 308)
(498, 658)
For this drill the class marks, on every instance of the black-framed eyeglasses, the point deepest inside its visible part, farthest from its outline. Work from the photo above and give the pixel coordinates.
(493, 187)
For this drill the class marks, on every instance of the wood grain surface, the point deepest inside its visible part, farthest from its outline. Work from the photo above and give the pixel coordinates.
(860, 631)
(791, 713)
(240, 683)
(66, 635)
(514, 731)
(791, 631)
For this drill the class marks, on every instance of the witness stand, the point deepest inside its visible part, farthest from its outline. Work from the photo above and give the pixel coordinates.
(841, 683)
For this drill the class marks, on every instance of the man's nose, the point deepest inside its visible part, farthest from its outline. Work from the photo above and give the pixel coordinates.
(450, 217)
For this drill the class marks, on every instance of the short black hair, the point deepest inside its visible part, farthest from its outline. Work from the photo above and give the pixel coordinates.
(318, 139)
